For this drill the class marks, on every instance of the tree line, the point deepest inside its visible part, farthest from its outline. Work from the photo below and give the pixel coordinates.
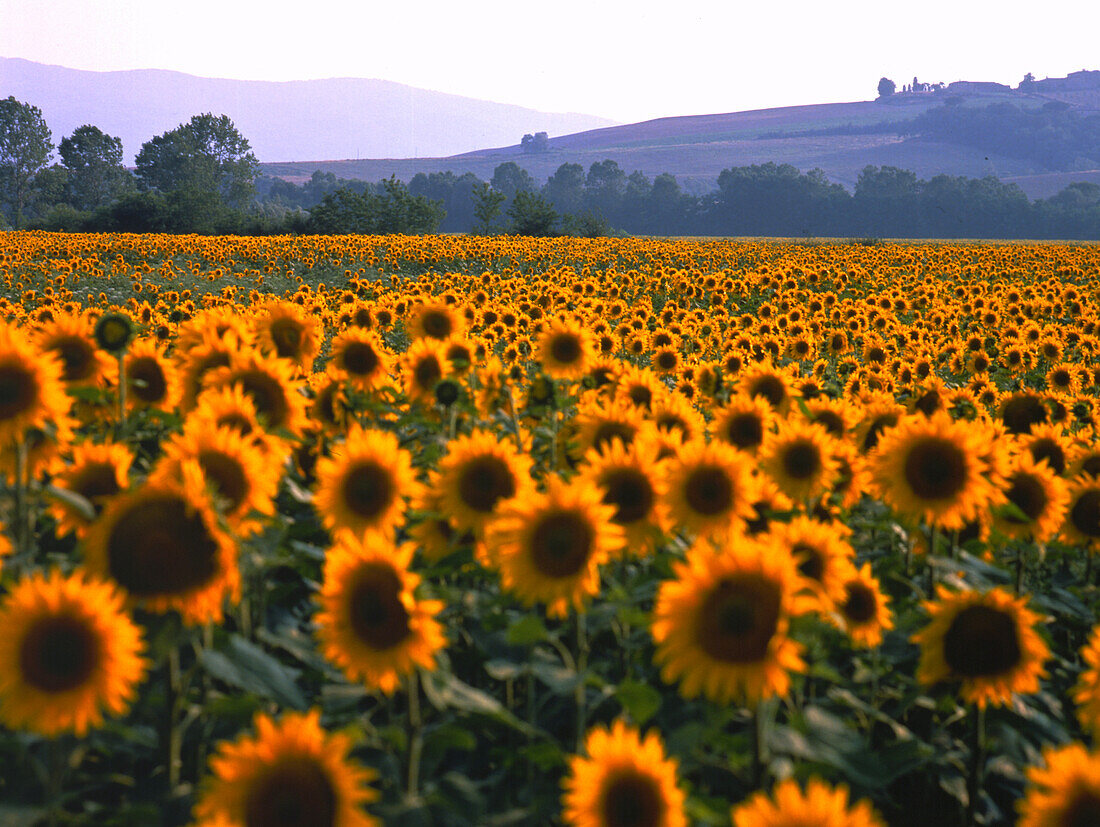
(202, 177)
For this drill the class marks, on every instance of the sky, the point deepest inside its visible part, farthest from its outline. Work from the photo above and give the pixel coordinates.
(626, 61)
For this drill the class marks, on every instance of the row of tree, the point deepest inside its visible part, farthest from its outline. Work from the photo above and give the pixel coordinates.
(203, 177)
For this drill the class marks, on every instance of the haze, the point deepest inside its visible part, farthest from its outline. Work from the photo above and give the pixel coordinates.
(627, 61)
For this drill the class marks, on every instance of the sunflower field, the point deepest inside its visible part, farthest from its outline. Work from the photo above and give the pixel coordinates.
(453, 530)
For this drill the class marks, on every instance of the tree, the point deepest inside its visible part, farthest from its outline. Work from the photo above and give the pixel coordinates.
(565, 188)
(25, 147)
(886, 87)
(94, 162)
(510, 178)
(205, 154)
(539, 142)
(531, 214)
(487, 204)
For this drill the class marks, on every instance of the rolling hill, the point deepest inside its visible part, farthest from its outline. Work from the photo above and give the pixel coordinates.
(336, 118)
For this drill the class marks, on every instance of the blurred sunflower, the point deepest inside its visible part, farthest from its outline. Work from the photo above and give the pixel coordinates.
(270, 383)
(819, 806)
(633, 481)
(69, 653)
(424, 364)
(286, 330)
(822, 554)
(478, 472)
(549, 547)
(566, 350)
(711, 488)
(772, 384)
(370, 623)
(31, 391)
(863, 612)
(96, 473)
(433, 320)
(599, 422)
(745, 422)
(721, 623)
(1038, 498)
(364, 484)
(151, 381)
(1086, 694)
(1082, 522)
(625, 781)
(987, 641)
(1065, 792)
(69, 337)
(361, 357)
(799, 459)
(291, 773)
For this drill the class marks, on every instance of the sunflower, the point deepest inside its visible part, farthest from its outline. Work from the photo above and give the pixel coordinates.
(633, 481)
(769, 383)
(232, 408)
(1048, 443)
(625, 781)
(269, 382)
(721, 623)
(478, 472)
(70, 339)
(424, 365)
(674, 412)
(194, 364)
(819, 806)
(286, 330)
(69, 653)
(986, 641)
(863, 612)
(1086, 694)
(96, 473)
(1020, 411)
(880, 414)
(364, 484)
(549, 546)
(599, 422)
(291, 773)
(435, 535)
(934, 469)
(361, 357)
(433, 320)
(1038, 498)
(151, 381)
(1082, 523)
(744, 422)
(822, 553)
(711, 488)
(565, 350)
(241, 478)
(328, 408)
(162, 545)
(31, 391)
(1065, 792)
(370, 624)
(799, 458)
(640, 387)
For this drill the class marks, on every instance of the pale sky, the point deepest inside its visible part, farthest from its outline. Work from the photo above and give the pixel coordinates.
(627, 61)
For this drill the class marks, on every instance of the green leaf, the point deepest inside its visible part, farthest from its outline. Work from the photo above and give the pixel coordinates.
(527, 630)
(445, 691)
(73, 500)
(244, 665)
(640, 700)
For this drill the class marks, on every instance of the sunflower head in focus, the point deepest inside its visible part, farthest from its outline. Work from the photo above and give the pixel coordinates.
(799, 459)
(624, 780)
(291, 773)
(711, 488)
(565, 350)
(478, 473)
(68, 654)
(821, 805)
(361, 357)
(987, 641)
(371, 624)
(721, 623)
(1064, 791)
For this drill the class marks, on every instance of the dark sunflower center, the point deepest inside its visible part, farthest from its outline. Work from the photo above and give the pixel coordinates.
(1062, 378)
(295, 792)
(146, 381)
(745, 430)
(708, 490)
(981, 642)
(267, 395)
(226, 476)
(831, 421)
(375, 611)
(1028, 495)
(802, 460)
(631, 800)
(95, 482)
(161, 546)
(436, 325)
(771, 388)
(631, 492)
(360, 359)
(238, 422)
(368, 490)
(666, 360)
(561, 544)
(565, 348)
(739, 618)
(59, 653)
(1023, 411)
(860, 604)
(811, 562)
(428, 371)
(935, 469)
(1051, 451)
(1085, 513)
(878, 425)
(607, 431)
(484, 481)
(287, 334)
(18, 390)
(77, 358)
(1083, 810)
(928, 403)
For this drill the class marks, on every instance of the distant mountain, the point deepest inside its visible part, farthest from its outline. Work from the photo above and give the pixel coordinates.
(839, 138)
(337, 118)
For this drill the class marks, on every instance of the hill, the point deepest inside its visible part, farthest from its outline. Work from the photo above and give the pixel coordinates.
(839, 138)
(335, 118)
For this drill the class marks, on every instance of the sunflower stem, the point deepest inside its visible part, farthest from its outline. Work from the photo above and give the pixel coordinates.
(19, 496)
(758, 738)
(977, 766)
(1019, 569)
(58, 756)
(171, 730)
(416, 741)
(579, 692)
(121, 391)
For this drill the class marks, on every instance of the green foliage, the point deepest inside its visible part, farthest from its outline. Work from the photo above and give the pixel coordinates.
(94, 162)
(886, 87)
(531, 214)
(25, 147)
(394, 210)
(487, 204)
